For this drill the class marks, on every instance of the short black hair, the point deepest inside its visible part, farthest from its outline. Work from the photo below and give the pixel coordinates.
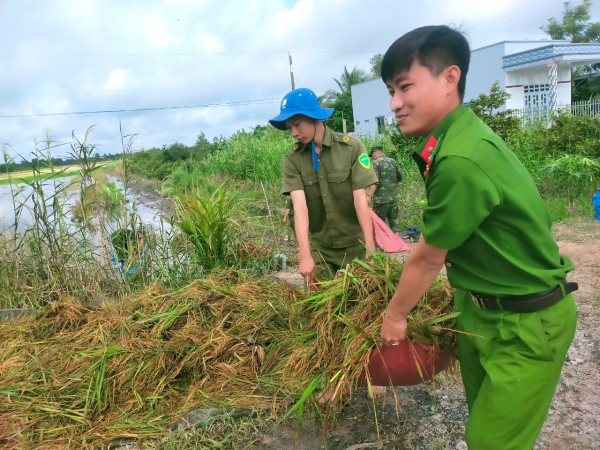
(435, 47)
(376, 149)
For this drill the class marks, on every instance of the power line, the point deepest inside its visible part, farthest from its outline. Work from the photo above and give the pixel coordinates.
(161, 108)
(175, 87)
(106, 55)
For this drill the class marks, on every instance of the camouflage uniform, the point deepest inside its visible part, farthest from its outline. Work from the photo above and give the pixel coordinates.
(290, 219)
(385, 199)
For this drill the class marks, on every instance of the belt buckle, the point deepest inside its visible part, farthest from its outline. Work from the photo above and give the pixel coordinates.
(478, 301)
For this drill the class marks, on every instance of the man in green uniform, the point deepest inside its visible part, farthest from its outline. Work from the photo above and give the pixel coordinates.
(384, 194)
(487, 222)
(288, 215)
(326, 174)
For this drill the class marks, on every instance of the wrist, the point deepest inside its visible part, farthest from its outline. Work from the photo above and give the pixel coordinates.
(304, 255)
(397, 309)
(395, 314)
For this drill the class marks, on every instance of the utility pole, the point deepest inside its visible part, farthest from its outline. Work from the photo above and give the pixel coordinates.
(292, 72)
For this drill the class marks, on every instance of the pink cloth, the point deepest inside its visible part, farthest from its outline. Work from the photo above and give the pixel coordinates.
(385, 238)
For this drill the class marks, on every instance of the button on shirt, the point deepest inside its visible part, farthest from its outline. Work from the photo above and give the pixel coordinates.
(332, 219)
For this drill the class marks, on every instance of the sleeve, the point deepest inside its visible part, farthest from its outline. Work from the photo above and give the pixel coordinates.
(292, 181)
(398, 172)
(361, 172)
(377, 170)
(460, 196)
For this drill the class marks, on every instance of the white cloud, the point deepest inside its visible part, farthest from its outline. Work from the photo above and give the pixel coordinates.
(90, 62)
(115, 79)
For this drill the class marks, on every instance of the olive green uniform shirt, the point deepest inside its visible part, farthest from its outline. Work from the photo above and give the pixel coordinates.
(344, 167)
(483, 206)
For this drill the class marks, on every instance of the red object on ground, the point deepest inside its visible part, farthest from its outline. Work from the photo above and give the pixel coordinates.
(396, 365)
(386, 238)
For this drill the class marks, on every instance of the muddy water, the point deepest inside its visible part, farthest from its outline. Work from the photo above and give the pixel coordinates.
(20, 196)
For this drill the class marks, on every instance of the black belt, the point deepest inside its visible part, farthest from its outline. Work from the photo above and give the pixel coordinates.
(525, 303)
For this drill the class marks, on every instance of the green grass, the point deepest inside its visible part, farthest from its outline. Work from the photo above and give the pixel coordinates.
(42, 177)
(223, 433)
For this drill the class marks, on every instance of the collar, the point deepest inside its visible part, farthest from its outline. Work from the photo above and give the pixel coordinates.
(327, 139)
(443, 126)
(440, 130)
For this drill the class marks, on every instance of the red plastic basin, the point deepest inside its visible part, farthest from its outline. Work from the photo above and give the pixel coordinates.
(405, 364)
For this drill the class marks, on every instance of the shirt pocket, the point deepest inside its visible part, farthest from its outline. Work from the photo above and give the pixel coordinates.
(340, 184)
(311, 186)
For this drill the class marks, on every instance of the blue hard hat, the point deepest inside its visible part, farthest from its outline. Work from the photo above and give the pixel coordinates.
(300, 101)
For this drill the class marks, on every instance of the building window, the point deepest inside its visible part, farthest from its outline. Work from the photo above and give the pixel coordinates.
(358, 122)
(380, 124)
(366, 121)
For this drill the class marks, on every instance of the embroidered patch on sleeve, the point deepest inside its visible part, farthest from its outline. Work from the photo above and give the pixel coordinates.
(364, 161)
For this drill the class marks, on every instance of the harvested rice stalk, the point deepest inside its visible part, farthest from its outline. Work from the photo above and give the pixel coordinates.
(80, 376)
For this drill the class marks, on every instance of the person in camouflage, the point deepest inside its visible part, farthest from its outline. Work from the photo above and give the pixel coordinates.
(288, 216)
(384, 195)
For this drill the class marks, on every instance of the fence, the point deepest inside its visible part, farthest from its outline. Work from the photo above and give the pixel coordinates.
(529, 116)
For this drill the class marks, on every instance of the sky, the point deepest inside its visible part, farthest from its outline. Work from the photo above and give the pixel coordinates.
(65, 56)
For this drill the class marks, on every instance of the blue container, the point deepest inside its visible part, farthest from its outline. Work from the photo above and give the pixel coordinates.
(596, 200)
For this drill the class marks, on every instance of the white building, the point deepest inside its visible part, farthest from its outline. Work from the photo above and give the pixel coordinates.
(537, 74)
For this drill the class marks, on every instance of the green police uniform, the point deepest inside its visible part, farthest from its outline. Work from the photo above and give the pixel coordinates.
(290, 205)
(484, 208)
(385, 199)
(344, 167)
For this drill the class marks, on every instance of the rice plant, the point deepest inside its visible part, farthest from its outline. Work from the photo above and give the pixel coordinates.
(209, 222)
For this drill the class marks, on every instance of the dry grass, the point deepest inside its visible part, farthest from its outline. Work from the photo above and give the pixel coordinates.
(81, 377)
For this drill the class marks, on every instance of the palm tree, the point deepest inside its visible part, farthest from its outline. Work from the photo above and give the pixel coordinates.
(345, 81)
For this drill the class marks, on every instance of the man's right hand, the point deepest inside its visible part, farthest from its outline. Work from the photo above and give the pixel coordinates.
(285, 220)
(307, 268)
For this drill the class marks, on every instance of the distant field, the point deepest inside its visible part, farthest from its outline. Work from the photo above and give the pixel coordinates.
(66, 171)
(28, 173)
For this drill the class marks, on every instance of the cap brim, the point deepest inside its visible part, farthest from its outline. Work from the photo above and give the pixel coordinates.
(318, 114)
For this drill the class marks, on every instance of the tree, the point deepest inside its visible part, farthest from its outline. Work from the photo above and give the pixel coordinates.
(346, 80)
(202, 148)
(375, 62)
(503, 123)
(576, 27)
(342, 110)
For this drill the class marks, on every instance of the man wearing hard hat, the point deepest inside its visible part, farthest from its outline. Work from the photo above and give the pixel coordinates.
(326, 174)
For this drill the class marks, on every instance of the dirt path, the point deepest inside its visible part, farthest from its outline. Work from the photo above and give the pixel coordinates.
(574, 419)
(434, 418)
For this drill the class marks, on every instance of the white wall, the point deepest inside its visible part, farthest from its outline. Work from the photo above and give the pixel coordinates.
(537, 75)
(485, 69)
(369, 100)
(563, 91)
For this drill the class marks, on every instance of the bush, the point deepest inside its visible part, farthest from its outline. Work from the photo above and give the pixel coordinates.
(209, 222)
(486, 107)
(250, 156)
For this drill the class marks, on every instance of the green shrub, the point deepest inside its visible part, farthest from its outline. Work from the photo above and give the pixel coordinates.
(209, 221)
